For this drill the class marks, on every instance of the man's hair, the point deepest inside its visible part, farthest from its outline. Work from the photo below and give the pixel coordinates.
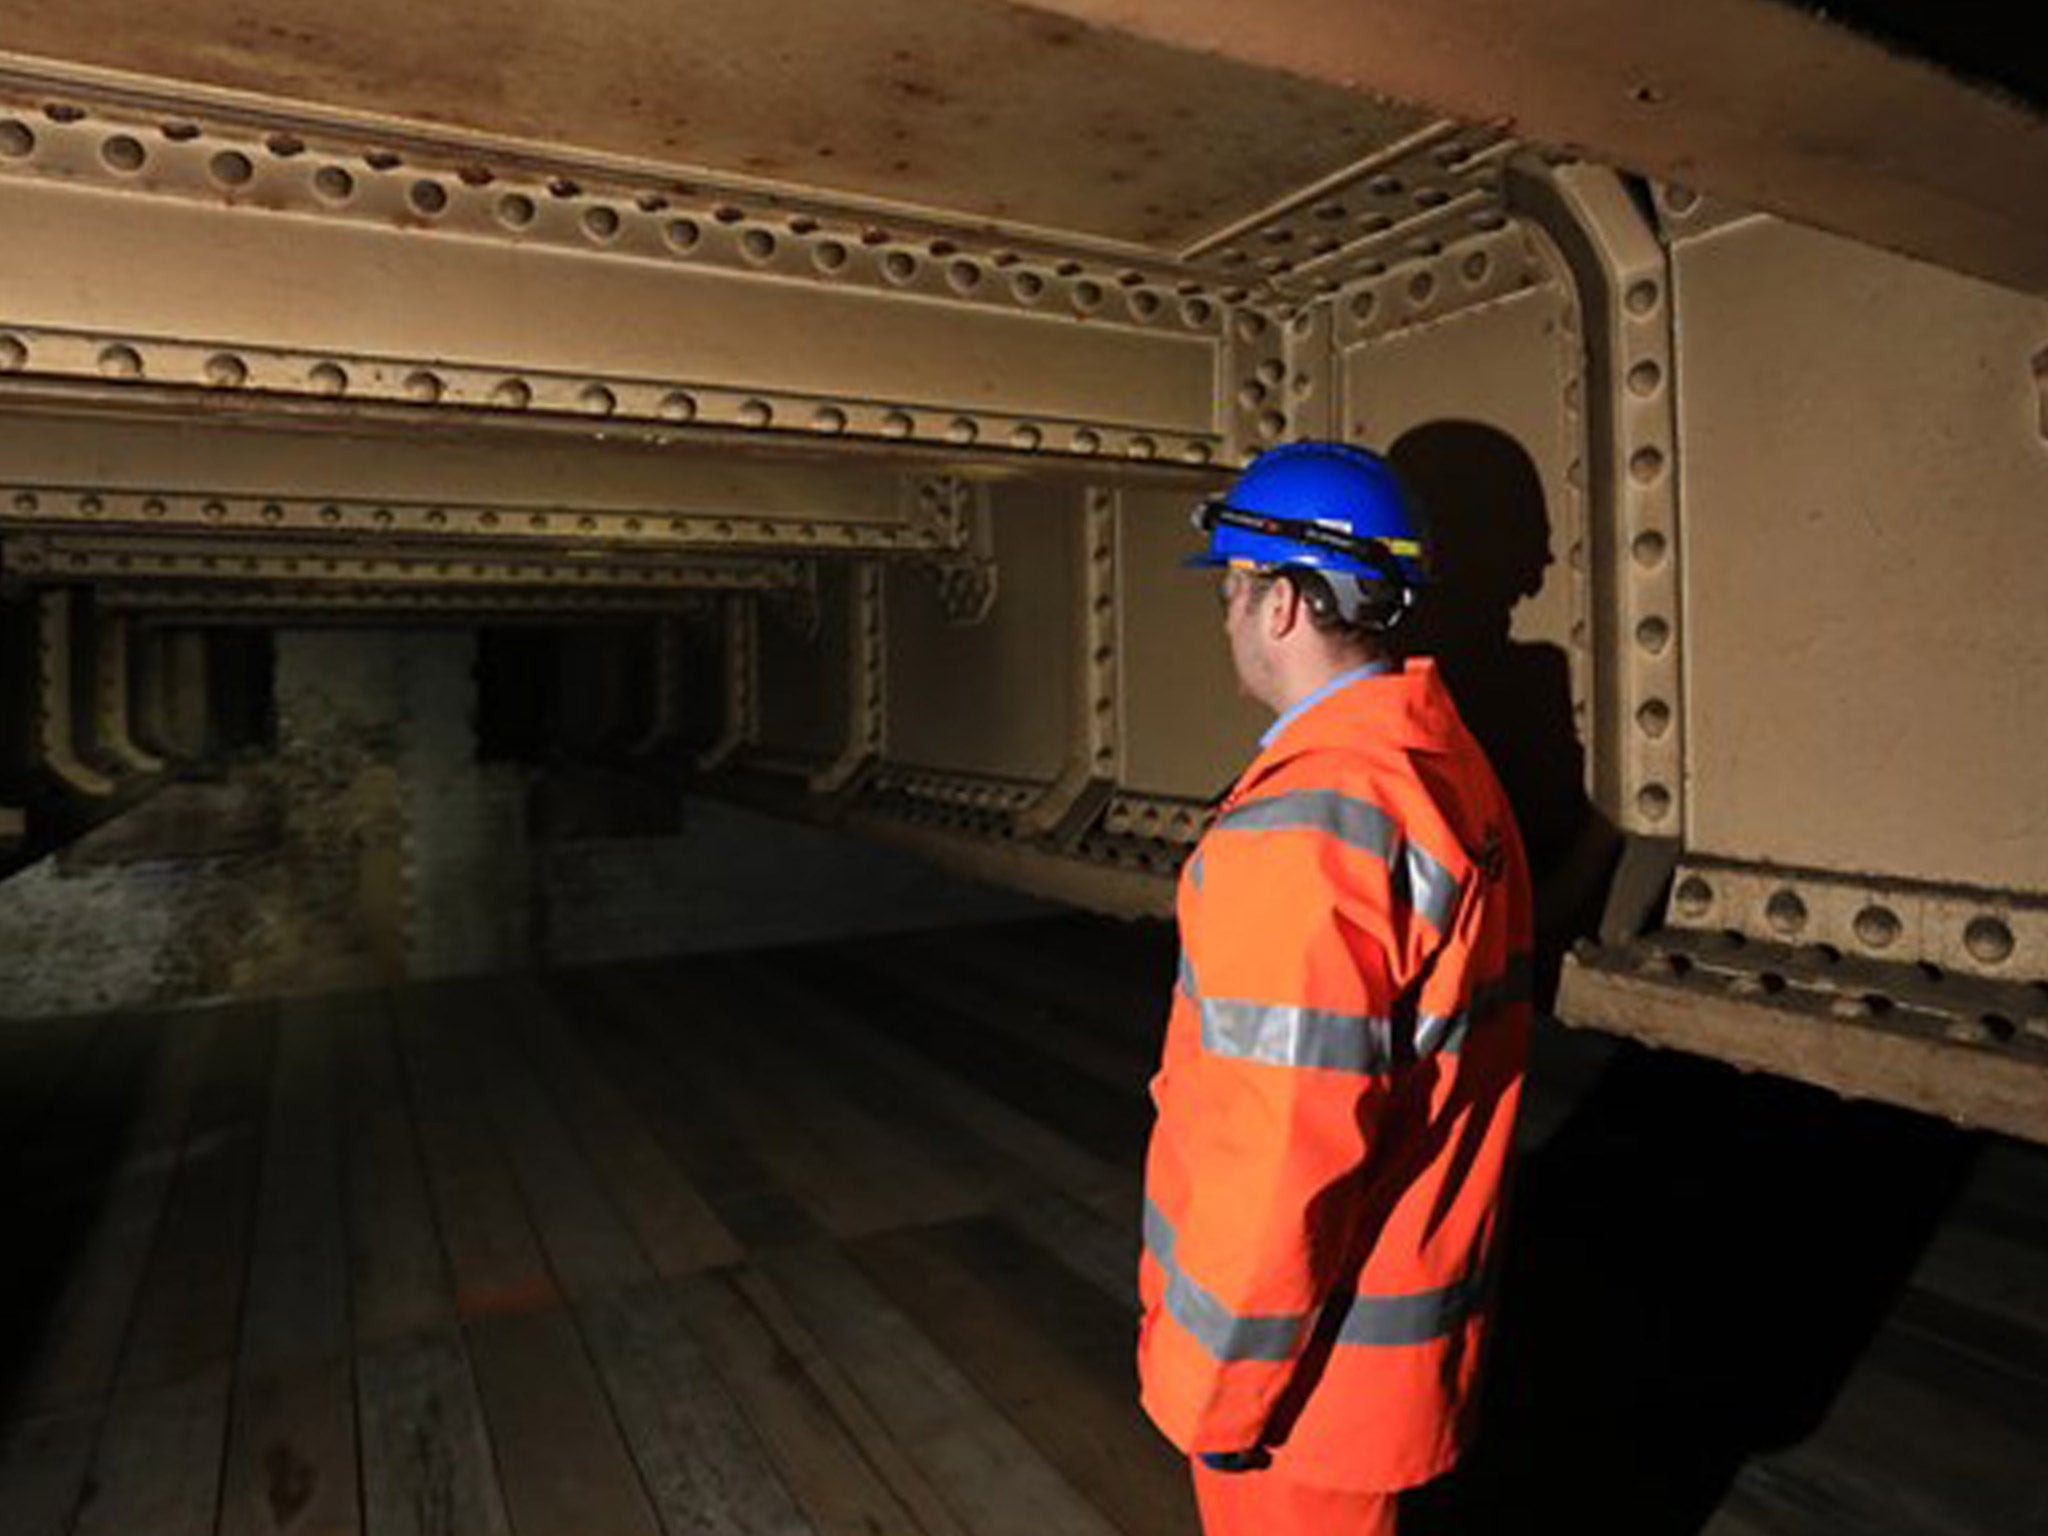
(1323, 612)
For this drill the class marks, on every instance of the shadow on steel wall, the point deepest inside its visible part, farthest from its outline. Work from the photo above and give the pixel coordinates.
(1491, 539)
(1695, 1258)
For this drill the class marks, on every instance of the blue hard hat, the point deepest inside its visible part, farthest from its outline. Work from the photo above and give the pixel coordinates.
(1327, 506)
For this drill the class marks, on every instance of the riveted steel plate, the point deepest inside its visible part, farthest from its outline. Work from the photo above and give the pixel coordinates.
(1864, 637)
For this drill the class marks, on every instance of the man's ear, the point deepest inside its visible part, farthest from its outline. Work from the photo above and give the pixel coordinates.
(1287, 610)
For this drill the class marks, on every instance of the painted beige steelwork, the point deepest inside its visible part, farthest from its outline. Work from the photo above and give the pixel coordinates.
(885, 397)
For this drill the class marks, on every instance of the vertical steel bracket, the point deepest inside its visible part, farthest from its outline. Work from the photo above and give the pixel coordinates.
(1623, 276)
(56, 704)
(742, 727)
(1083, 790)
(868, 700)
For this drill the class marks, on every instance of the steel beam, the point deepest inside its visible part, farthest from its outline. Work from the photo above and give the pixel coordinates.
(36, 557)
(58, 674)
(662, 310)
(1625, 303)
(1863, 1044)
(1765, 103)
(113, 687)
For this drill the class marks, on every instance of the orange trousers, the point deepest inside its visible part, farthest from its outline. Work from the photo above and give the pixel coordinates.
(1259, 1504)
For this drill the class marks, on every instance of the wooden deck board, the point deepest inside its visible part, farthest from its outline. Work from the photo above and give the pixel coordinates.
(988, 1473)
(494, 1255)
(42, 1467)
(562, 1462)
(100, 1258)
(428, 1467)
(835, 1459)
(704, 1464)
(399, 1282)
(675, 1224)
(803, 1244)
(695, 1128)
(588, 1244)
(1055, 1354)
(291, 1462)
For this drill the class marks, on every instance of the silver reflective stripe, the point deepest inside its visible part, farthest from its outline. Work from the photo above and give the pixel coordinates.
(1447, 1031)
(1223, 1333)
(1432, 890)
(1418, 879)
(1286, 1035)
(1187, 979)
(1415, 1318)
(1412, 1319)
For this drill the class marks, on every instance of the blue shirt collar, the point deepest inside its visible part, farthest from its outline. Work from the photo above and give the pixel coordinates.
(1303, 706)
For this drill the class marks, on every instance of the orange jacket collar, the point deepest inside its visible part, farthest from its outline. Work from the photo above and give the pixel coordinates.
(1410, 709)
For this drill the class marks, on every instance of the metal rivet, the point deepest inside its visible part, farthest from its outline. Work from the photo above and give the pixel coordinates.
(965, 276)
(13, 354)
(1362, 305)
(119, 362)
(423, 386)
(515, 210)
(679, 405)
(828, 418)
(1654, 801)
(1421, 287)
(1694, 897)
(513, 394)
(962, 430)
(601, 223)
(428, 197)
(682, 234)
(1988, 940)
(1785, 911)
(1654, 718)
(1026, 437)
(1877, 927)
(1142, 447)
(328, 379)
(1641, 297)
(17, 139)
(899, 266)
(757, 245)
(1649, 548)
(124, 152)
(597, 400)
(1645, 379)
(224, 370)
(1653, 635)
(1027, 286)
(1645, 465)
(231, 168)
(1087, 440)
(898, 424)
(1198, 312)
(334, 183)
(1271, 424)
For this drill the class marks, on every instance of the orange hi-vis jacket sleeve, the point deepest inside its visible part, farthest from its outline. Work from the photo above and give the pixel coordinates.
(1337, 1096)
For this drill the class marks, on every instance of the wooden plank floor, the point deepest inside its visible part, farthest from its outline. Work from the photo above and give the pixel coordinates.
(841, 1240)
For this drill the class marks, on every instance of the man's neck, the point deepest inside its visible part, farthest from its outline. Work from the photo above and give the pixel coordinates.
(1317, 684)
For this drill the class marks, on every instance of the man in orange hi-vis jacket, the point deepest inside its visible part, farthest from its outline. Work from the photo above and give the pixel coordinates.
(1345, 1053)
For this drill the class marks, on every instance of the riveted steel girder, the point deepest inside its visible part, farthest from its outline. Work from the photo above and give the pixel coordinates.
(1770, 104)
